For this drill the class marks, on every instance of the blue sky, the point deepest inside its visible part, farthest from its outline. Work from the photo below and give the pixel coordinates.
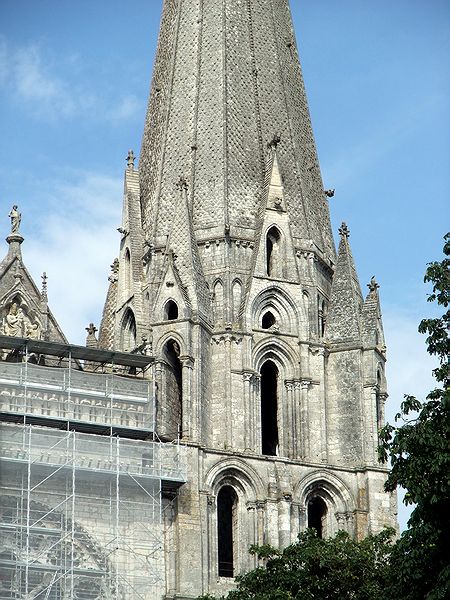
(74, 81)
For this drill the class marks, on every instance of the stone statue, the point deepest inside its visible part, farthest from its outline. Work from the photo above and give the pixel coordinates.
(16, 218)
(12, 323)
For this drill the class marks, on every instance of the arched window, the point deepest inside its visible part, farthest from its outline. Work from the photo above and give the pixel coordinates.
(129, 331)
(226, 530)
(219, 301)
(171, 310)
(317, 512)
(321, 315)
(127, 271)
(268, 320)
(174, 387)
(273, 243)
(269, 409)
(237, 295)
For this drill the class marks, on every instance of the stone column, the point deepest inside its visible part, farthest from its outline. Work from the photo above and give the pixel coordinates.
(290, 421)
(260, 523)
(249, 430)
(189, 399)
(295, 521)
(304, 442)
(256, 405)
(252, 521)
(284, 521)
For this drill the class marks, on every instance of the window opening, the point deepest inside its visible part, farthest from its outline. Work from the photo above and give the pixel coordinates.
(273, 240)
(317, 510)
(171, 310)
(379, 415)
(269, 408)
(226, 530)
(174, 388)
(268, 320)
(129, 332)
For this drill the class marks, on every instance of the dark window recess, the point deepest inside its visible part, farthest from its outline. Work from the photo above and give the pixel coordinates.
(317, 510)
(269, 408)
(171, 310)
(226, 516)
(174, 382)
(268, 320)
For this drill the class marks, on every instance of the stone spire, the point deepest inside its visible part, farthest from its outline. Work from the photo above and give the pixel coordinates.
(227, 75)
(372, 326)
(344, 316)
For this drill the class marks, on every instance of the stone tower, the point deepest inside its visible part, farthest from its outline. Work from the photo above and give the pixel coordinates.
(268, 362)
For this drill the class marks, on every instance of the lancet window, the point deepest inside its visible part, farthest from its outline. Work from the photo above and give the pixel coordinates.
(273, 252)
(227, 503)
(269, 409)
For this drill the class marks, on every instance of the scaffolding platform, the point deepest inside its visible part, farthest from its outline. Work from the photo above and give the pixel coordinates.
(81, 515)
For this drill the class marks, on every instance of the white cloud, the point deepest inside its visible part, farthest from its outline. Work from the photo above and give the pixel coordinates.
(75, 245)
(34, 81)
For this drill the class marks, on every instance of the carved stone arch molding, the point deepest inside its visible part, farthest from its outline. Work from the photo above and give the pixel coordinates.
(287, 312)
(336, 497)
(48, 576)
(279, 352)
(239, 480)
(166, 337)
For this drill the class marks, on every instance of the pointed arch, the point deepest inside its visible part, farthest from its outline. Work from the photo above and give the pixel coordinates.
(269, 408)
(128, 331)
(171, 311)
(274, 251)
(127, 272)
(218, 301)
(237, 298)
(173, 393)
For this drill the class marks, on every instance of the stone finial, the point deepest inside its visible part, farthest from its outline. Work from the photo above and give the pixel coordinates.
(44, 284)
(344, 231)
(274, 142)
(91, 341)
(182, 184)
(373, 285)
(16, 218)
(130, 160)
(92, 329)
(330, 193)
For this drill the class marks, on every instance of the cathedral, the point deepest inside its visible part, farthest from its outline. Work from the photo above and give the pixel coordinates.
(233, 392)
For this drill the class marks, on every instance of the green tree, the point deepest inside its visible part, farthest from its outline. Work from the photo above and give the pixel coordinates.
(418, 450)
(337, 568)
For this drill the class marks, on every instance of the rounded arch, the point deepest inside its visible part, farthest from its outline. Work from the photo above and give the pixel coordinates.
(128, 331)
(242, 477)
(328, 486)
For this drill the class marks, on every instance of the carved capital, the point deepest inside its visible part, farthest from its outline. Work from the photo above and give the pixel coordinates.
(187, 361)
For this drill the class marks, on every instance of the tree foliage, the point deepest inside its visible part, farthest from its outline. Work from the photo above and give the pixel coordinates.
(337, 568)
(418, 450)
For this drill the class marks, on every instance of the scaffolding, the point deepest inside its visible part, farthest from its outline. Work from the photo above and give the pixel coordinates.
(69, 394)
(81, 514)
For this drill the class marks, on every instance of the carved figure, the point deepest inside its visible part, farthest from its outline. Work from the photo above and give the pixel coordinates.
(16, 218)
(12, 323)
